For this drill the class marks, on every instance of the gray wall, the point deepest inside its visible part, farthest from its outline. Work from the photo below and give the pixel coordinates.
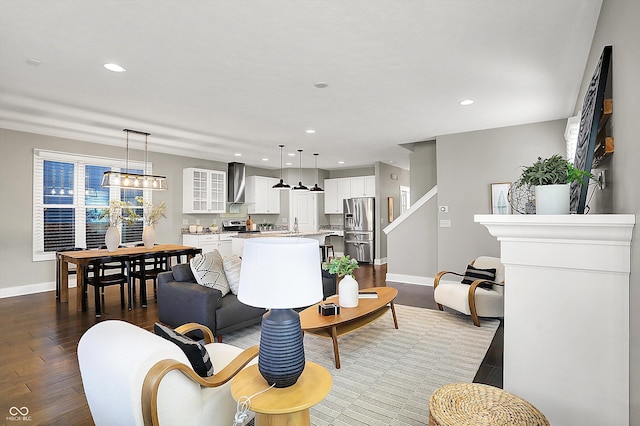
(16, 191)
(387, 187)
(423, 169)
(618, 26)
(467, 164)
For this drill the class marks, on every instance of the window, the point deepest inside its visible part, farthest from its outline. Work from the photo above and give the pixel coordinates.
(68, 201)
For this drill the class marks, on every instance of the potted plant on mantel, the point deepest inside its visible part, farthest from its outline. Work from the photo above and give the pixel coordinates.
(552, 178)
(348, 286)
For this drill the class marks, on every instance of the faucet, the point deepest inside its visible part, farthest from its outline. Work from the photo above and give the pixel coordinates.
(295, 225)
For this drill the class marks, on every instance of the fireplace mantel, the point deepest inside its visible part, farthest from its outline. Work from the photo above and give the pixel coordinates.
(566, 346)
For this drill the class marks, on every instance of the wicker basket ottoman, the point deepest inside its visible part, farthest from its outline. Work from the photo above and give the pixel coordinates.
(478, 404)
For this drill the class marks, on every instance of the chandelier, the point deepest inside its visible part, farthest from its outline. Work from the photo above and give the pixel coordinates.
(134, 180)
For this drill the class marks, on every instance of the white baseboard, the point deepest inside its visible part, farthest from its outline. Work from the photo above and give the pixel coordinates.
(32, 288)
(410, 279)
(382, 261)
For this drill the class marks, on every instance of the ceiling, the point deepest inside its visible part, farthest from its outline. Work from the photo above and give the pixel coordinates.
(211, 78)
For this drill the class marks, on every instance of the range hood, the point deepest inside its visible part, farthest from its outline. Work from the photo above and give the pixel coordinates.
(235, 187)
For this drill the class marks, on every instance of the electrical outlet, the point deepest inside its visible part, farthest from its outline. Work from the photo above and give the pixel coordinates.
(445, 223)
(197, 221)
(444, 209)
(284, 220)
(185, 221)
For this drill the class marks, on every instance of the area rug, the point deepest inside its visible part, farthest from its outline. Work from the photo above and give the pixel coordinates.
(388, 375)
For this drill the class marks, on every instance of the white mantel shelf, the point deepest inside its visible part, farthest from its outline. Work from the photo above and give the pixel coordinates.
(566, 342)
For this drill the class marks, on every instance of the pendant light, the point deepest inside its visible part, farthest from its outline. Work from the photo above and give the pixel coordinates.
(300, 186)
(315, 187)
(134, 180)
(281, 184)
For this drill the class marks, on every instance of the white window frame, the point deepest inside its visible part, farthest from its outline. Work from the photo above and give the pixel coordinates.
(79, 161)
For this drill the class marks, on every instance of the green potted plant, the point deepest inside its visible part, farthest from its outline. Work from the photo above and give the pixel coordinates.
(348, 286)
(552, 178)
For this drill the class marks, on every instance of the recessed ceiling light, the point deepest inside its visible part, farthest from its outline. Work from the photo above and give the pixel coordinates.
(391, 161)
(33, 62)
(265, 159)
(291, 154)
(237, 154)
(309, 131)
(114, 67)
(340, 162)
(288, 164)
(321, 84)
(466, 102)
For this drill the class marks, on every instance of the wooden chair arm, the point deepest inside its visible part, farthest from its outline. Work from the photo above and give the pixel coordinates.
(440, 274)
(161, 368)
(192, 326)
(472, 298)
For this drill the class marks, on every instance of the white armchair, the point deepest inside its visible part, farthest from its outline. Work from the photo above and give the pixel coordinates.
(472, 299)
(131, 376)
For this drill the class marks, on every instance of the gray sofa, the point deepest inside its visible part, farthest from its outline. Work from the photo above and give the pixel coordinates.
(181, 300)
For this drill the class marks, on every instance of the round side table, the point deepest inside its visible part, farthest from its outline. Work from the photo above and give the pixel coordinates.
(482, 405)
(283, 406)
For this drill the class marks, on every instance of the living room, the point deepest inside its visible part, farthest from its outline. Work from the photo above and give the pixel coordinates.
(466, 161)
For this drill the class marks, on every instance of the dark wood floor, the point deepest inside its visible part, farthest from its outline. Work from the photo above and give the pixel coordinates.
(39, 366)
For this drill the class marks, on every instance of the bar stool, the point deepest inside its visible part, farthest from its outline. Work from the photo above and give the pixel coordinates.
(325, 251)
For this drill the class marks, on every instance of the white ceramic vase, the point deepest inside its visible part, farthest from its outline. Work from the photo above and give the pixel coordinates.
(149, 236)
(112, 238)
(348, 292)
(552, 199)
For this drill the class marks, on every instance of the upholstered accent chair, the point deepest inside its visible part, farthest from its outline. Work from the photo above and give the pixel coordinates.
(479, 294)
(132, 376)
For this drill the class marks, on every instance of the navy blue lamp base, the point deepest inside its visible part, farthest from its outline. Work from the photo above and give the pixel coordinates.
(281, 355)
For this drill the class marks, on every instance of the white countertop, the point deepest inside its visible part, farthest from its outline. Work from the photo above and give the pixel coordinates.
(281, 234)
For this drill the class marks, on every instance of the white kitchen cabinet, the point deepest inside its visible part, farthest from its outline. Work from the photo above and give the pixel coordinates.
(336, 190)
(204, 191)
(260, 195)
(210, 242)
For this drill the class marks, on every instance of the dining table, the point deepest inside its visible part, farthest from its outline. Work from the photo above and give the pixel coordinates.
(83, 258)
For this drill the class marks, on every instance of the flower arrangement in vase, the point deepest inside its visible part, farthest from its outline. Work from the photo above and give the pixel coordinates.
(348, 286)
(117, 212)
(152, 213)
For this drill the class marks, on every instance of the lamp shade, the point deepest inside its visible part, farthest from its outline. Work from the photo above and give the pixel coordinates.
(280, 273)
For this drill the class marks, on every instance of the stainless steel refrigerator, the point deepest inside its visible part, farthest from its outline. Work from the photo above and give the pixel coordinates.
(359, 228)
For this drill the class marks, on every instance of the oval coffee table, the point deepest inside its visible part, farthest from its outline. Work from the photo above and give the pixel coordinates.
(350, 319)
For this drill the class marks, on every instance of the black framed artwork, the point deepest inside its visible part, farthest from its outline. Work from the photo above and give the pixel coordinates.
(592, 108)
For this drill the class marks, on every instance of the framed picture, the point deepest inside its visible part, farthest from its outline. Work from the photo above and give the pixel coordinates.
(499, 198)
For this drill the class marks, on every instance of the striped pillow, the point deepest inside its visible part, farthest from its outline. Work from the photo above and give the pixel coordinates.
(195, 352)
(473, 274)
(232, 266)
(208, 270)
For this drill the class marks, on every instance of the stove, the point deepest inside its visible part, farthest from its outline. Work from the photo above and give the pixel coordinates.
(239, 225)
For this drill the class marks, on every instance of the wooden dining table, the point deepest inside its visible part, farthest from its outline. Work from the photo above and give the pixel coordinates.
(83, 258)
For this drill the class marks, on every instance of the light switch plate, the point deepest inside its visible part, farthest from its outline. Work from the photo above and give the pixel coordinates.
(445, 223)
(185, 221)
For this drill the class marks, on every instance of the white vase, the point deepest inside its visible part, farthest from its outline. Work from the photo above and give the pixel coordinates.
(112, 238)
(348, 292)
(552, 199)
(149, 236)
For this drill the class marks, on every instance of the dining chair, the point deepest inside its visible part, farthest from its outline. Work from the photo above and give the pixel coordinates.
(145, 267)
(104, 272)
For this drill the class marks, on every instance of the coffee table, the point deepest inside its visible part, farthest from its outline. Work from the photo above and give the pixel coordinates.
(349, 319)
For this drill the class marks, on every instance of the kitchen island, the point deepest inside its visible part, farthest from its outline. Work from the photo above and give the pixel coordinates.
(237, 241)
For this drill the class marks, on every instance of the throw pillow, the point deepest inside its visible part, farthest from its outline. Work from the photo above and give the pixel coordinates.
(196, 352)
(232, 266)
(209, 272)
(473, 274)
